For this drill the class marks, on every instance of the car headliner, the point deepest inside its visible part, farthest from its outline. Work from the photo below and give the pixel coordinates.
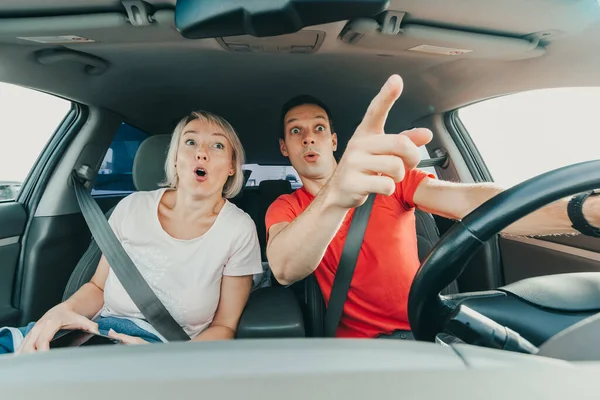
(156, 76)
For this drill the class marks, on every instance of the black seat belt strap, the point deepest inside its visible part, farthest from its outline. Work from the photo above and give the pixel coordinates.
(130, 277)
(345, 270)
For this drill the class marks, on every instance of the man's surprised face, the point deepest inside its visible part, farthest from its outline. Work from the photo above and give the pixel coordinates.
(309, 142)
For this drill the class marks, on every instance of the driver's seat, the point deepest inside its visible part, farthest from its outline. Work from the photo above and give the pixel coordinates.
(311, 298)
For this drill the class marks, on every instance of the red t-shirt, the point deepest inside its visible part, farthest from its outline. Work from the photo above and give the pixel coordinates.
(377, 301)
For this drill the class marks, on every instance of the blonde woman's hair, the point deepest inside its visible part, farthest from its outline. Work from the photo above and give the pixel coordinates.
(235, 182)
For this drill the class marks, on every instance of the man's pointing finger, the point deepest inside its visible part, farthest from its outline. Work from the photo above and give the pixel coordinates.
(376, 115)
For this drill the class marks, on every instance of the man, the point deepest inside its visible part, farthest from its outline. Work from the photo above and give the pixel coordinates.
(307, 229)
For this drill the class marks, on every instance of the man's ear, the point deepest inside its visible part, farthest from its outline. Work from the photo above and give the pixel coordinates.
(334, 140)
(283, 148)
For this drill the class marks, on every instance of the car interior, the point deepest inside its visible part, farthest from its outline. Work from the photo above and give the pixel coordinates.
(140, 66)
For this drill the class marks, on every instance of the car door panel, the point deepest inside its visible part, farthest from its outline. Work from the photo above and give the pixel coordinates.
(577, 241)
(13, 217)
(524, 257)
(53, 247)
(480, 272)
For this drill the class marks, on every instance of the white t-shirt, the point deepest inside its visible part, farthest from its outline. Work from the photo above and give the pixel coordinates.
(185, 274)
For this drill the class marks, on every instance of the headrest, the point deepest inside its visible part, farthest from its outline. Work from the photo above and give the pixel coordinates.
(149, 162)
(271, 189)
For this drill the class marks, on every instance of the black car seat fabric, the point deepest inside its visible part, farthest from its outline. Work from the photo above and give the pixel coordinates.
(268, 192)
(427, 236)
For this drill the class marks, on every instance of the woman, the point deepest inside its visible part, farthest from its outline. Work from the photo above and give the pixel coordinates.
(196, 250)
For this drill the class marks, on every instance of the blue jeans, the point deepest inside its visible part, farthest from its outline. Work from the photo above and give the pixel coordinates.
(11, 338)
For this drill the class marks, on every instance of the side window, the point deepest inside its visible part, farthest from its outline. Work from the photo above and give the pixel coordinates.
(268, 172)
(27, 122)
(115, 175)
(523, 135)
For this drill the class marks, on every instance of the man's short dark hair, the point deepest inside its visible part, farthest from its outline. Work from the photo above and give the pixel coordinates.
(300, 101)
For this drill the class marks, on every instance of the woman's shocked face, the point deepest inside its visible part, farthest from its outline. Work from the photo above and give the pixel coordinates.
(204, 159)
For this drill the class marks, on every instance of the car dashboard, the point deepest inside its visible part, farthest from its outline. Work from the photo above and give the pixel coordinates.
(296, 368)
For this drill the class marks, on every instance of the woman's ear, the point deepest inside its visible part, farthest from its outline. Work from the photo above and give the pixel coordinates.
(232, 167)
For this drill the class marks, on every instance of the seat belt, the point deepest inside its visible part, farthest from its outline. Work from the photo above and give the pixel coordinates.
(130, 277)
(345, 270)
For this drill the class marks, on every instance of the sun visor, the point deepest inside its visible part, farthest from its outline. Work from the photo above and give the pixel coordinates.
(393, 37)
(89, 29)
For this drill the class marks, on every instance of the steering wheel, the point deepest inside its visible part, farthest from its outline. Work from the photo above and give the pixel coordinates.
(428, 311)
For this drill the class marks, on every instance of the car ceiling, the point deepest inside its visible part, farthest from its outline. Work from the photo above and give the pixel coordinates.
(155, 76)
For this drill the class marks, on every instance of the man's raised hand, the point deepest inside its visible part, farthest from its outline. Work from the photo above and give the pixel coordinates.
(373, 161)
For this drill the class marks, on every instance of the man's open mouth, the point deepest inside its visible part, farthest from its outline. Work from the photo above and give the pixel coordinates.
(311, 156)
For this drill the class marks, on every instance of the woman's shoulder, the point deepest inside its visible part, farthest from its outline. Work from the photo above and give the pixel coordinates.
(237, 213)
(145, 195)
(239, 217)
(137, 200)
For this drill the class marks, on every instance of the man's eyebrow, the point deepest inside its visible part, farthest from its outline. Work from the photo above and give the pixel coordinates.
(296, 119)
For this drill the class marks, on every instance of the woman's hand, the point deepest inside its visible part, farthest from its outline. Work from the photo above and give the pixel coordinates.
(59, 317)
(126, 339)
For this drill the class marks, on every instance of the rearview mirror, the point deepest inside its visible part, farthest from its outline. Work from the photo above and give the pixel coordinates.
(199, 19)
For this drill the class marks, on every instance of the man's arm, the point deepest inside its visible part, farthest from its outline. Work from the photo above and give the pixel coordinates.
(295, 249)
(456, 200)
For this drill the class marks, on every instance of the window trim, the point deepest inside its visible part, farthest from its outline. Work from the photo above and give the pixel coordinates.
(467, 148)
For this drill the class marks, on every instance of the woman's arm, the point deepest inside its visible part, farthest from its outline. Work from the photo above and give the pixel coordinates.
(234, 295)
(89, 299)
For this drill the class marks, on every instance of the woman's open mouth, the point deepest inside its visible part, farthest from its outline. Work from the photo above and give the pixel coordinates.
(201, 174)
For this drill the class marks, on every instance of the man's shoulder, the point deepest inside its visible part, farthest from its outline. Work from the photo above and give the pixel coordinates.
(296, 200)
(287, 207)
